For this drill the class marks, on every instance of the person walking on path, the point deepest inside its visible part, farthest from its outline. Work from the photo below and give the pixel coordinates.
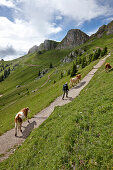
(65, 90)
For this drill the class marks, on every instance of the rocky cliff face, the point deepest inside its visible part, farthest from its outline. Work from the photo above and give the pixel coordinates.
(33, 49)
(105, 29)
(73, 38)
(47, 45)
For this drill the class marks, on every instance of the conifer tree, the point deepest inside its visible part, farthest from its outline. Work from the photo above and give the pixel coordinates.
(39, 73)
(50, 66)
(74, 70)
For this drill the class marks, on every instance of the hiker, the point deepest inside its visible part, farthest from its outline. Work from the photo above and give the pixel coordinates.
(65, 90)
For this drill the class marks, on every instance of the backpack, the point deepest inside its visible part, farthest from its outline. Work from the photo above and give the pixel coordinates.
(65, 87)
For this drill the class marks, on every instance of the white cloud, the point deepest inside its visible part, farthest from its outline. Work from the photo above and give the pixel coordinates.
(7, 3)
(80, 11)
(20, 34)
(58, 17)
(34, 20)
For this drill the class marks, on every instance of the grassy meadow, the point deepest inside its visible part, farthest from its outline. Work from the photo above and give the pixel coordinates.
(33, 92)
(75, 136)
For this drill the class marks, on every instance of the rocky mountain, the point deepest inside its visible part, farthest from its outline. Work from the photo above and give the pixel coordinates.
(33, 49)
(47, 45)
(73, 38)
(105, 29)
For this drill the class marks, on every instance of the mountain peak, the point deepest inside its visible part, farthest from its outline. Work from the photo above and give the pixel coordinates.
(73, 38)
(104, 29)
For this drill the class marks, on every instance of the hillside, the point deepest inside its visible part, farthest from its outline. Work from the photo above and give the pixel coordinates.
(76, 136)
(73, 39)
(104, 30)
(24, 87)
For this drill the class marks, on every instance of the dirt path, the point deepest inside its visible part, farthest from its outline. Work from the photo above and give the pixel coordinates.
(8, 142)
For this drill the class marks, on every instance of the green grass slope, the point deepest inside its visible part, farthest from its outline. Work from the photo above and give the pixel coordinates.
(77, 135)
(38, 93)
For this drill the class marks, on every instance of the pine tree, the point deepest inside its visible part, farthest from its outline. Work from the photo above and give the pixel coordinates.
(74, 70)
(1, 78)
(8, 71)
(105, 50)
(39, 73)
(5, 73)
(84, 62)
(50, 66)
(68, 72)
(61, 75)
(90, 58)
(80, 60)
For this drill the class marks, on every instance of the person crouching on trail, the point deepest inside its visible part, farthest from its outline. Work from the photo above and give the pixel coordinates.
(65, 90)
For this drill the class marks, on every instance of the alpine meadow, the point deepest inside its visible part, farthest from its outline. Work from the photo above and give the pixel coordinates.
(77, 135)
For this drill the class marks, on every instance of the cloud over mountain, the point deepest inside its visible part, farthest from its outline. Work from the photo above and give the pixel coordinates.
(33, 21)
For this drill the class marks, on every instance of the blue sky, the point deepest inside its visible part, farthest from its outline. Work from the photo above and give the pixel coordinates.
(25, 23)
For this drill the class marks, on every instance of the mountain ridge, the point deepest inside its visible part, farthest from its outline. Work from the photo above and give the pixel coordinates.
(74, 37)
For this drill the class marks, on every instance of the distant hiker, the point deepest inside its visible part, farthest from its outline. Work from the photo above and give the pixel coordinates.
(65, 90)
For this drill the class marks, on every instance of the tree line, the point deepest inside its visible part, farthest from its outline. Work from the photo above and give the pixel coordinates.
(5, 74)
(86, 61)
